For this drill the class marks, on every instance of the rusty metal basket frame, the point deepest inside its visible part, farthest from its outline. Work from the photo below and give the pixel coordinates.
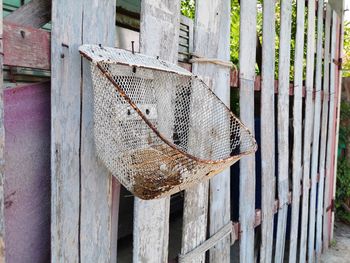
(119, 89)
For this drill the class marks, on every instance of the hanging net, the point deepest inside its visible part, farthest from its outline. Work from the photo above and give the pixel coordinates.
(158, 128)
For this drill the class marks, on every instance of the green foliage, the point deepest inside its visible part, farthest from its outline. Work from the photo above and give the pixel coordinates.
(234, 35)
(346, 65)
(188, 8)
(343, 174)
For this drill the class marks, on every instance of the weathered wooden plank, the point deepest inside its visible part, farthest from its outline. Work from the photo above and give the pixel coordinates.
(283, 127)
(316, 132)
(36, 13)
(297, 126)
(97, 241)
(159, 36)
(211, 40)
(309, 108)
(27, 170)
(65, 129)
(340, 56)
(2, 145)
(331, 130)
(323, 141)
(195, 215)
(268, 131)
(26, 47)
(337, 6)
(247, 164)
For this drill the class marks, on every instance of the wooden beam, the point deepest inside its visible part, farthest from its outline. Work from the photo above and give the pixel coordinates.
(283, 127)
(26, 47)
(297, 125)
(159, 36)
(35, 13)
(208, 28)
(316, 134)
(248, 14)
(323, 141)
(267, 147)
(2, 145)
(99, 189)
(331, 133)
(65, 130)
(340, 57)
(309, 108)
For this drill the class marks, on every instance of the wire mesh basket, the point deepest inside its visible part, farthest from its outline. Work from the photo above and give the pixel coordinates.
(158, 128)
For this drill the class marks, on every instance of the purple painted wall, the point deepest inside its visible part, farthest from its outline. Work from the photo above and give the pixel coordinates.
(27, 173)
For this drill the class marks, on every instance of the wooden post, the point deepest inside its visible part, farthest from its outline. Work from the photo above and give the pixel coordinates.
(309, 108)
(331, 133)
(2, 145)
(219, 186)
(82, 207)
(247, 164)
(98, 222)
(323, 141)
(316, 132)
(159, 34)
(211, 39)
(340, 50)
(65, 129)
(268, 131)
(283, 127)
(297, 133)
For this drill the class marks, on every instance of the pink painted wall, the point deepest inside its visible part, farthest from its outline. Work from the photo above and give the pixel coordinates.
(27, 173)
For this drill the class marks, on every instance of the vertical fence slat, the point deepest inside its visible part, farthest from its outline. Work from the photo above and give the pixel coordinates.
(316, 132)
(2, 146)
(219, 186)
(283, 126)
(340, 42)
(65, 129)
(323, 140)
(247, 53)
(211, 39)
(331, 131)
(268, 131)
(159, 33)
(307, 127)
(97, 241)
(297, 126)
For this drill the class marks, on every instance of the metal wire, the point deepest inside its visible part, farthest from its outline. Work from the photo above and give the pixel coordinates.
(158, 128)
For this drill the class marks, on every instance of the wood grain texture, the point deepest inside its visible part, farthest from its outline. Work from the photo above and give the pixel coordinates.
(316, 133)
(297, 126)
(26, 47)
(97, 221)
(283, 127)
(247, 164)
(268, 131)
(308, 127)
(324, 132)
(2, 145)
(331, 133)
(340, 55)
(35, 13)
(159, 33)
(65, 129)
(211, 40)
(27, 170)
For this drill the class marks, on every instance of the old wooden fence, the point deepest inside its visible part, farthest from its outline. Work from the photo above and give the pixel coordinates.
(275, 206)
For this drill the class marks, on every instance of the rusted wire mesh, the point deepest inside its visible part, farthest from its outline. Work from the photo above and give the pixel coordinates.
(158, 128)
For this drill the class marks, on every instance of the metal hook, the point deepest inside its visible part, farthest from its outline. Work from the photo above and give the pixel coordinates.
(132, 47)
